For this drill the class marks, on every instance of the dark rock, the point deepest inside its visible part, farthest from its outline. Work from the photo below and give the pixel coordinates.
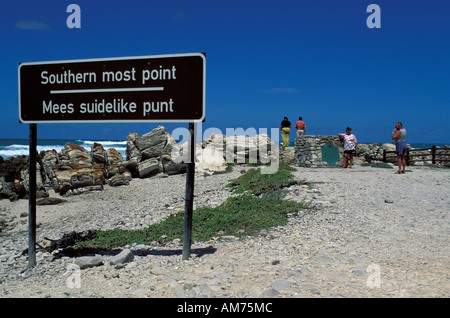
(113, 156)
(69, 239)
(49, 160)
(7, 190)
(132, 152)
(151, 139)
(120, 179)
(154, 151)
(23, 187)
(132, 166)
(12, 167)
(73, 175)
(98, 153)
(149, 167)
(116, 170)
(171, 167)
(49, 201)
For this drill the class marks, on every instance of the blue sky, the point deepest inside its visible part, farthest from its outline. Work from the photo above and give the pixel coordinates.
(265, 60)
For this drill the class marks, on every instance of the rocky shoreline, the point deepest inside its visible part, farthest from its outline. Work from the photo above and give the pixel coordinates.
(76, 170)
(369, 233)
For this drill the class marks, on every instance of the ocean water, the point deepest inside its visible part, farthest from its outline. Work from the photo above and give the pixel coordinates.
(18, 147)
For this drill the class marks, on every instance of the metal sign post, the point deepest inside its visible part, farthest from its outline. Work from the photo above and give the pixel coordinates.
(189, 201)
(32, 198)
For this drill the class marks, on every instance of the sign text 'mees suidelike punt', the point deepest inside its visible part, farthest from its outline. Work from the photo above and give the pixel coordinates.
(162, 88)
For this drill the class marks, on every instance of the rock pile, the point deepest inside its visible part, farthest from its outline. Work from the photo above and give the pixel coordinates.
(14, 179)
(373, 152)
(76, 170)
(240, 148)
(155, 153)
(219, 150)
(73, 171)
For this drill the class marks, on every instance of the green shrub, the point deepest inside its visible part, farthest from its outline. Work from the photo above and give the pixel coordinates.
(254, 182)
(243, 213)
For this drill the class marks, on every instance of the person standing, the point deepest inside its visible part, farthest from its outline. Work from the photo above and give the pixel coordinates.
(399, 137)
(350, 146)
(285, 131)
(300, 126)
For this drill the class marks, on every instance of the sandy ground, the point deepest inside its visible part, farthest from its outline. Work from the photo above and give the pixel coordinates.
(371, 234)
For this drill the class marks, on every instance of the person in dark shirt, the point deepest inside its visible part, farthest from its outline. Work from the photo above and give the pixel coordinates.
(285, 131)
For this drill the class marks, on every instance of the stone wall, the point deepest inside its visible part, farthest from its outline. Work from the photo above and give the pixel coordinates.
(308, 153)
(308, 150)
(287, 155)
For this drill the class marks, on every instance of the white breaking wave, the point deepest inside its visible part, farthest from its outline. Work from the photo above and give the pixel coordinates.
(120, 146)
(103, 143)
(15, 150)
(23, 150)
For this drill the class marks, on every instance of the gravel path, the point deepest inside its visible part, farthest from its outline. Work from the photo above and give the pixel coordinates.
(370, 233)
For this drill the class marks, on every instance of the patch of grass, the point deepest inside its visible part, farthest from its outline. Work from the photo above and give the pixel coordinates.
(254, 182)
(243, 214)
(246, 213)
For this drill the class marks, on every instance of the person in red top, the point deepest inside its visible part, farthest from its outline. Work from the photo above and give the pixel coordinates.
(300, 126)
